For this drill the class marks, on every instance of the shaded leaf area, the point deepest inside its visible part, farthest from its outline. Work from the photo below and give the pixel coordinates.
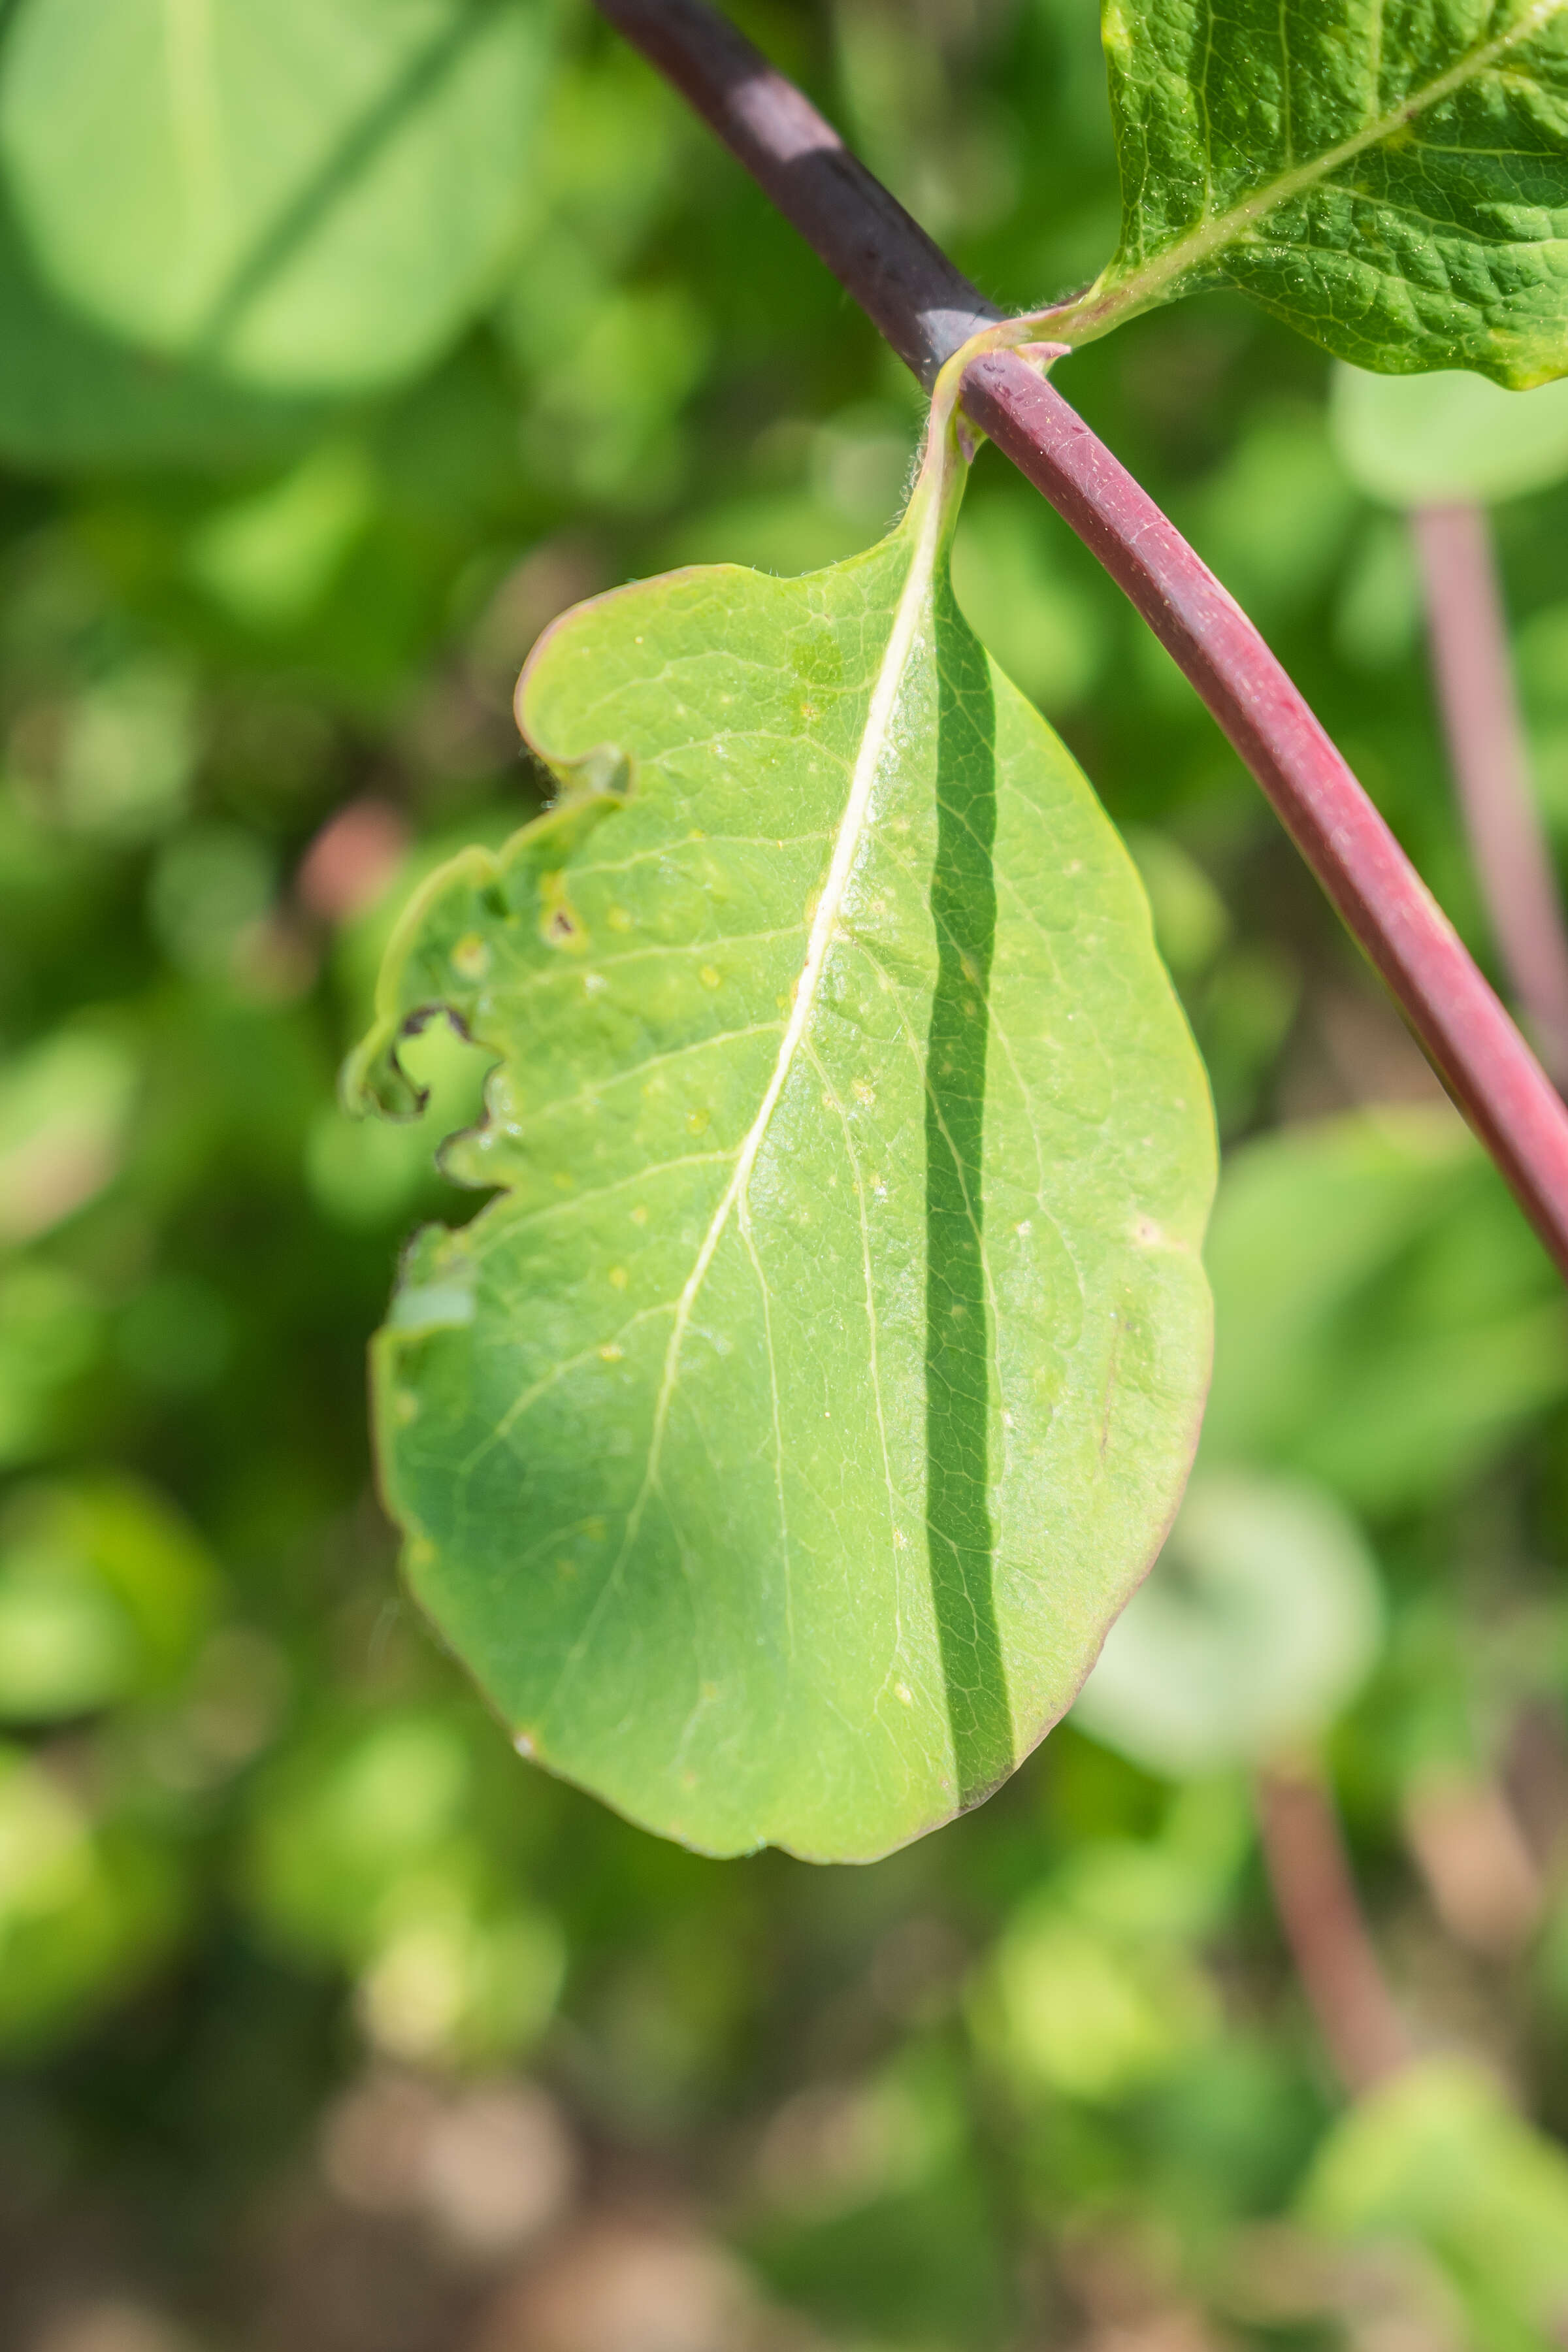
(304, 198)
(72, 393)
(1393, 181)
(777, 1448)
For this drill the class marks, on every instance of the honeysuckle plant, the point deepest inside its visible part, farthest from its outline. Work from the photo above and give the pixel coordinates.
(778, 1444)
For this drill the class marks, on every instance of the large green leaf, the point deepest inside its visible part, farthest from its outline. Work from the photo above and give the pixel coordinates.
(312, 195)
(778, 1446)
(72, 395)
(1392, 180)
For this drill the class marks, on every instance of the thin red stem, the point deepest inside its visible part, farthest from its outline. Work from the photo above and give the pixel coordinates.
(926, 309)
(1315, 1896)
(1469, 1038)
(1473, 672)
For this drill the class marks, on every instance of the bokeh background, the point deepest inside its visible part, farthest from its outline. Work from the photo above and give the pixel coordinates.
(325, 2024)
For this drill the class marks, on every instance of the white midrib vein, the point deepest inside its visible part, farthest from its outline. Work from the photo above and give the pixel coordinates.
(1100, 310)
(928, 522)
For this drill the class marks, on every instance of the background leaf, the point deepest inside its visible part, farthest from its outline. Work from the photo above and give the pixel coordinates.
(1427, 440)
(311, 196)
(1258, 1624)
(1394, 187)
(1436, 2155)
(72, 393)
(1383, 1320)
(777, 1448)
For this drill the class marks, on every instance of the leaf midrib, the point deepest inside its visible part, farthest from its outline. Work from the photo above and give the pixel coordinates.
(925, 522)
(1108, 303)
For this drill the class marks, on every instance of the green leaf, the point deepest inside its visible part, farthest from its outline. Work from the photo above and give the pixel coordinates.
(1436, 2155)
(1260, 1622)
(73, 395)
(1434, 439)
(1384, 1320)
(1393, 182)
(314, 195)
(777, 1447)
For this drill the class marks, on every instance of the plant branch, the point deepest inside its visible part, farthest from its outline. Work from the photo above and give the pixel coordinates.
(927, 309)
(1315, 1896)
(1473, 671)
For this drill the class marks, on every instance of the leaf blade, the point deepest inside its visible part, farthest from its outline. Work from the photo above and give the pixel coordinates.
(303, 199)
(1393, 185)
(814, 1556)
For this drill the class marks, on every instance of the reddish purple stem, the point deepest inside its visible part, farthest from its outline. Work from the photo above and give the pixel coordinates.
(1473, 670)
(1315, 1896)
(926, 309)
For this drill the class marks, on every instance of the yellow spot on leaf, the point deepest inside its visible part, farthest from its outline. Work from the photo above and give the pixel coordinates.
(560, 926)
(618, 1278)
(471, 956)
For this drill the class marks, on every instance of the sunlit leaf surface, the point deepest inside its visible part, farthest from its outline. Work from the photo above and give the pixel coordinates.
(778, 1446)
(1392, 180)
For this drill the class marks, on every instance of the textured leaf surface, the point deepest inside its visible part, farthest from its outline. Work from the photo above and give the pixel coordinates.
(1390, 176)
(777, 1447)
(312, 194)
(1425, 440)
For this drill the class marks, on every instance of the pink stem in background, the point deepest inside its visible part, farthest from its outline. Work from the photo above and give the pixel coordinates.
(1315, 1896)
(927, 309)
(1473, 671)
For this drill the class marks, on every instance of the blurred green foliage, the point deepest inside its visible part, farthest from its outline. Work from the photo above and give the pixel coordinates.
(280, 1910)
